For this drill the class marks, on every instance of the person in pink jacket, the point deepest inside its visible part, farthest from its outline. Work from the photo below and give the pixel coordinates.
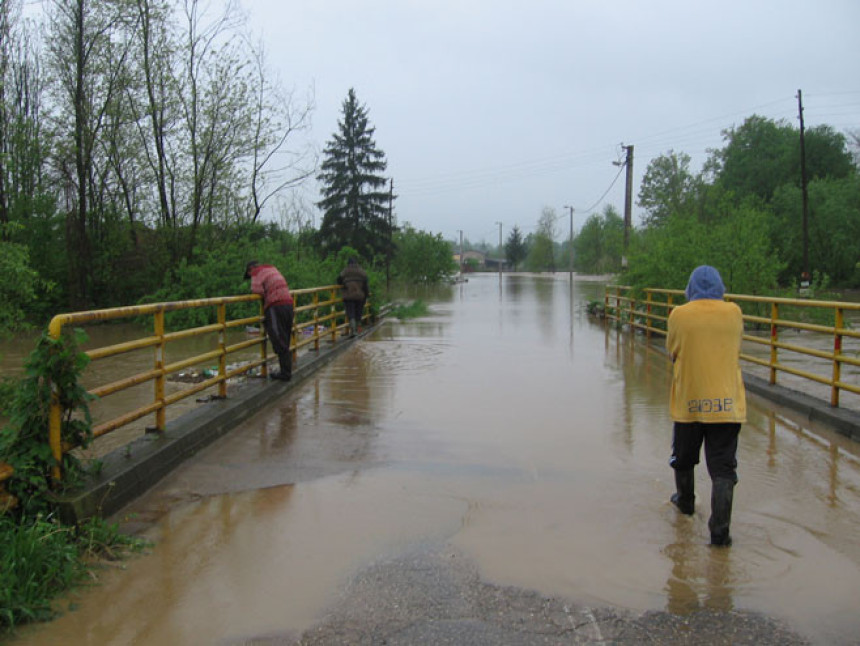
(267, 281)
(707, 401)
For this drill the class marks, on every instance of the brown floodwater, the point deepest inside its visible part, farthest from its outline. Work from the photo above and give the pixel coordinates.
(512, 426)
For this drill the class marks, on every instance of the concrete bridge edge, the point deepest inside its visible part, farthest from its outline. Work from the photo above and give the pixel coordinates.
(842, 420)
(128, 472)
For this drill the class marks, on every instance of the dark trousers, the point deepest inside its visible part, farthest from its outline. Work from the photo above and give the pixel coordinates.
(279, 328)
(354, 310)
(721, 448)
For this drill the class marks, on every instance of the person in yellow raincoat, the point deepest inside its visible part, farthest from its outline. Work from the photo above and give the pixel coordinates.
(708, 400)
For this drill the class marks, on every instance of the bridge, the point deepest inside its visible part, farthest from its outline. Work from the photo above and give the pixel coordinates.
(493, 473)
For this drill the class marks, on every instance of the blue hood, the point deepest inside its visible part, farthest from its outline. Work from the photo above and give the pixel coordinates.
(705, 282)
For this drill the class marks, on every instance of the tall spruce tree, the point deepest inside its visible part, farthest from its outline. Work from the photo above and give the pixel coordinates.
(515, 248)
(355, 204)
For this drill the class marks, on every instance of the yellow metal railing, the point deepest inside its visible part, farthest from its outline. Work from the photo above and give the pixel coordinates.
(650, 313)
(316, 318)
(7, 500)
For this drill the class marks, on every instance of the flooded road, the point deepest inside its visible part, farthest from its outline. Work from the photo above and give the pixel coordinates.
(515, 431)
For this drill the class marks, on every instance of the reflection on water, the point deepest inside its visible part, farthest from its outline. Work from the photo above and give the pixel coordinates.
(510, 425)
(700, 577)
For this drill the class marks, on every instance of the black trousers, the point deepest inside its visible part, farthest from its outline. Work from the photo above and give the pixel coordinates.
(721, 448)
(279, 328)
(354, 310)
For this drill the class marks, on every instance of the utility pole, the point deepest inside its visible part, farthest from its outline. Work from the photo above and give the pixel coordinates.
(501, 250)
(390, 237)
(628, 204)
(805, 275)
(571, 240)
(461, 253)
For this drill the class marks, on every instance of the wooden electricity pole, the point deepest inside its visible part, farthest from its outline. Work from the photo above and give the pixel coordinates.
(501, 250)
(390, 237)
(628, 204)
(805, 276)
(571, 240)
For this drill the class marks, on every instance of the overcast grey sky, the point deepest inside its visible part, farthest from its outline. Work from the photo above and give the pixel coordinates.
(488, 110)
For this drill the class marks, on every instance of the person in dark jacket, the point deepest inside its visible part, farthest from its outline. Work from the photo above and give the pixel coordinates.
(355, 293)
(267, 281)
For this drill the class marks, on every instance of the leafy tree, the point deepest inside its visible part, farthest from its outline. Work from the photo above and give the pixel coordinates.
(598, 246)
(757, 158)
(515, 248)
(667, 187)
(827, 154)
(854, 145)
(55, 366)
(834, 228)
(19, 286)
(354, 201)
(422, 257)
(541, 252)
(665, 256)
(87, 53)
(761, 155)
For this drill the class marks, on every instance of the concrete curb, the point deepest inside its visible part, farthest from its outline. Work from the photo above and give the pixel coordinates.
(128, 472)
(844, 421)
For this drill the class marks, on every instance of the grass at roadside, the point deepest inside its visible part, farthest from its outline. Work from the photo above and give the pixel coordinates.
(415, 309)
(41, 558)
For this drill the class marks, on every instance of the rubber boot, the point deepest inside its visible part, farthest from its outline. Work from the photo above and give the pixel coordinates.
(684, 499)
(722, 493)
(286, 371)
(353, 325)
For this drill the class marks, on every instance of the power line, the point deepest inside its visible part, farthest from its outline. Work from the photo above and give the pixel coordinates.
(697, 134)
(597, 203)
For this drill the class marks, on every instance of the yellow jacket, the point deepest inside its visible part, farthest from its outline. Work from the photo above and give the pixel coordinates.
(704, 339)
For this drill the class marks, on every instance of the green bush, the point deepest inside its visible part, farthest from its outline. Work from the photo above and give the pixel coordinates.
(54, 364)
(20, 284)
(42, 558)
(737, 244)
(38, 560)
(412, 310)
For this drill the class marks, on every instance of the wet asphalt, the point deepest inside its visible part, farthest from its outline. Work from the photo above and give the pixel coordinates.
(435, 596)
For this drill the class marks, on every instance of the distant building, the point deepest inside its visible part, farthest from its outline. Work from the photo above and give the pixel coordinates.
(477, 260)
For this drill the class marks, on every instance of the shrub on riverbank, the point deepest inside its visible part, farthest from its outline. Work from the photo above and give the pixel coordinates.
(412, 310)
(40, 557)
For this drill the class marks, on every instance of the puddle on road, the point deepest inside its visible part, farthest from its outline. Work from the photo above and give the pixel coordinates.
(513, 427)
(230, 567)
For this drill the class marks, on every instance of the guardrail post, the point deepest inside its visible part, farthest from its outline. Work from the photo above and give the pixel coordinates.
(161, 413)
(55, 425)
(333, 312)
(837, 356)
(774, 337)
(294, 342)
(264, 368)
(316, 321)
(631, 312)
(222, 348)
(648, 297)
(7, 500)
(55, 415)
